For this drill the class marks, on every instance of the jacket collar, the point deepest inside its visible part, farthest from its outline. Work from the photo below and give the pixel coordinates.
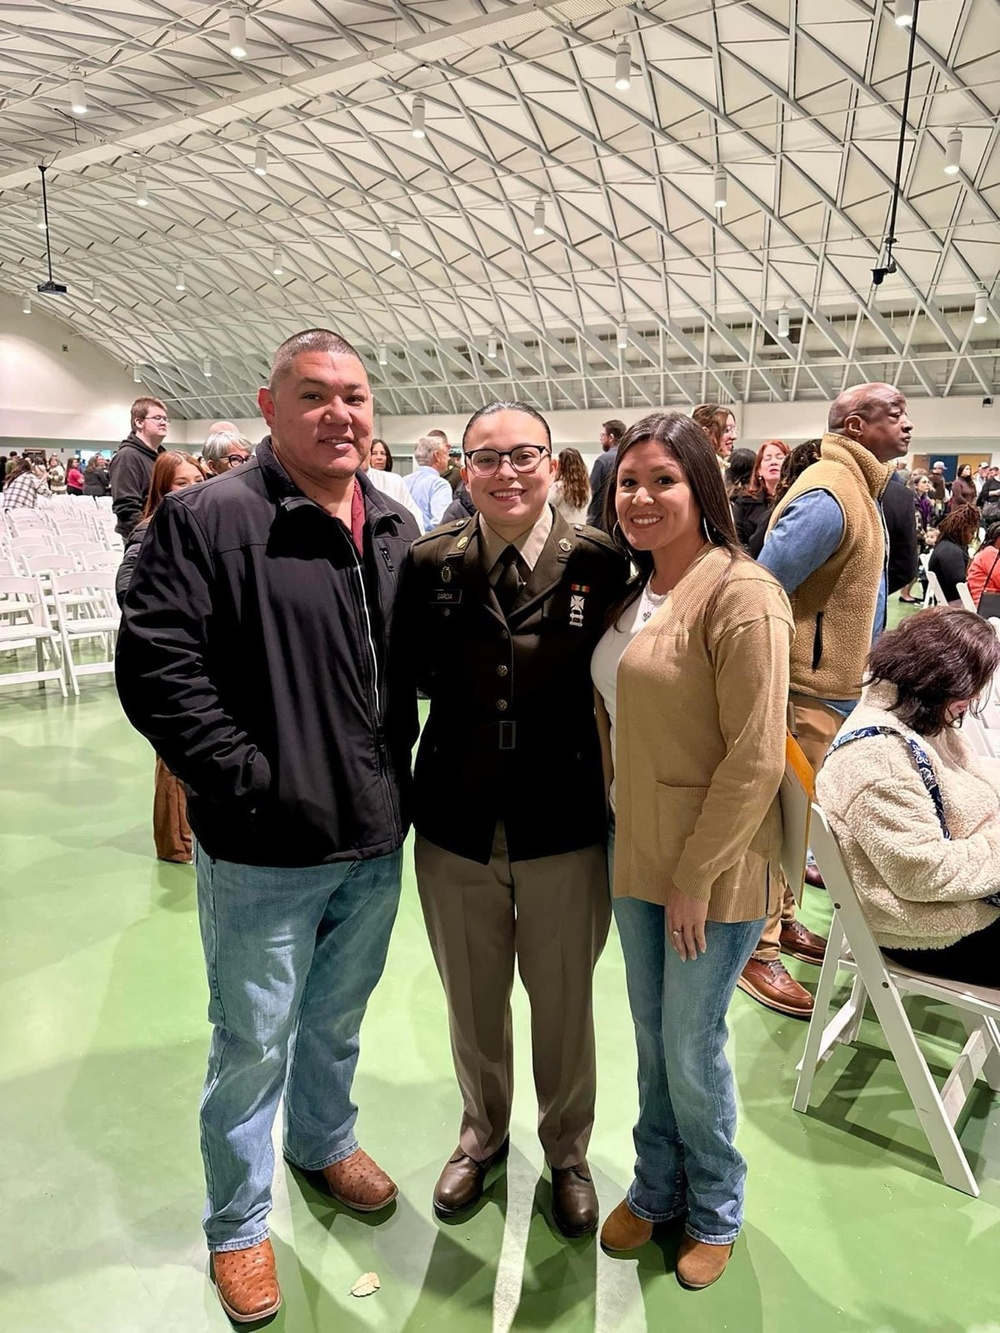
(873, 474)
(287, 496)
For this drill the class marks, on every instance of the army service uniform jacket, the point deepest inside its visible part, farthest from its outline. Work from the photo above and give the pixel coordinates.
(511, 734)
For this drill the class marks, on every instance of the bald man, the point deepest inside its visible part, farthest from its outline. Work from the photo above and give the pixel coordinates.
(827, 546)
(228, 426)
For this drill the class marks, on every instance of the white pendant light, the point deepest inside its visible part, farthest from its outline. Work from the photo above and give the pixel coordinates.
(238, 34)
(981, 312)
(720, 193)
(904, 13)
(26, 306)
(40, 218)
(77, 97)
(383, 355)
(623, 66)
(141, 190)
(179, 281)
(395, 249)
(136, 374)
(260, 160)
(277, 263)
(206, 367)
(953, 153)
(417, 115)
(784, 322)
(491, 349)
(538, 224)
(622, 337)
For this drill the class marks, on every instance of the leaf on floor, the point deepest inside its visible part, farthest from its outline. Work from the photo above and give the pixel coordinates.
(366, 1285)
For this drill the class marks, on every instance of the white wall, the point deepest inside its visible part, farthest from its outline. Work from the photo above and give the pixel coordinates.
(47, 393)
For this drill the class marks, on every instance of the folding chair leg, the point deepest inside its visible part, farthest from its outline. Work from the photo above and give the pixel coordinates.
(923, 1091)
(991, 1065)
(70, 671)
(859, 997)
(817, 1024)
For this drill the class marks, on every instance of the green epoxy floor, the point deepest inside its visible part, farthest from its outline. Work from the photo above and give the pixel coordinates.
(102, 1006)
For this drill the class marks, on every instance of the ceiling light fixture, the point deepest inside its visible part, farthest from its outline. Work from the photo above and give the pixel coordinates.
(904, 13)
(953, 153)
(77, 97)
(40, 219)
(260, 160)
(136, 374)
(491, 349)
(784, 322)
(383, 354)
(26, 306)
(206, 367)
(277, 263)
(622, 337)
(141, 190)
(981, 313)
(538, 225)
(417, 116)
(395, 249)
(720, 193)
(623, 66)
(179, 281)
(238, 34)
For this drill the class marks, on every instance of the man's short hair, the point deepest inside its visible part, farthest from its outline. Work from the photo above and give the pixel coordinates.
(614, 427)
(439, 433)
(426, 447)
(309, 340)
(141, 407)
(220, 444)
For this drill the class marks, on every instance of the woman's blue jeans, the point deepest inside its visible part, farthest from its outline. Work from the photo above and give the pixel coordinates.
(686, 1159)
(292, 957)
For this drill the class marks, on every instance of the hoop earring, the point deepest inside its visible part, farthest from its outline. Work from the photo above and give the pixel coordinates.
(620, 538)
(704, 528)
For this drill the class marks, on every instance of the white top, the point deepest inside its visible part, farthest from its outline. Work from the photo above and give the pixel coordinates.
(611, 649)
(562, 505)
(393, 485)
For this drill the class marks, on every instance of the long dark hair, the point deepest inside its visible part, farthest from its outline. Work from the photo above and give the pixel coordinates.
(574, 478)
(692, 449)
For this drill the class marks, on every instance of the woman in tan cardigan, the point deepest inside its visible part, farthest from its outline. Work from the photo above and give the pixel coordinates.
(926, 867)
(693, 674)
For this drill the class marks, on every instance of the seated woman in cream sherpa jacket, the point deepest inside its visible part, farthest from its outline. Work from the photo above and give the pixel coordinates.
(916, 813)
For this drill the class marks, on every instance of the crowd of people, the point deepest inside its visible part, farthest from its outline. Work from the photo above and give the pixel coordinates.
(612, 664)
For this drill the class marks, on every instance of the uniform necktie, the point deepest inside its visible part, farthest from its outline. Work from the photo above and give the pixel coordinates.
(508, 586)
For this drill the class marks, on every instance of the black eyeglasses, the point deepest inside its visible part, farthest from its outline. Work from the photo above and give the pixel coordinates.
(525, 458)
(234, 460)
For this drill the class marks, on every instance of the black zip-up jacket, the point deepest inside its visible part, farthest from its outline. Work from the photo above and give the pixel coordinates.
(130, 471)
(256, 656)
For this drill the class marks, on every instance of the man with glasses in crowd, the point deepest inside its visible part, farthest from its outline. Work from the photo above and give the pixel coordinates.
(132, 465)
(501, 613)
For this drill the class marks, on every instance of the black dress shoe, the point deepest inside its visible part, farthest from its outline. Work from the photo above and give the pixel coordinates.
(574, 1200)
(463, 1179)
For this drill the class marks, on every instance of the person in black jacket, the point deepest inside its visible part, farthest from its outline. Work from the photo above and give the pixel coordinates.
(132, 464)
(96, 480)
(256, 656)
(950, 558)
(604, 466)
(901, 526)
(502, 612)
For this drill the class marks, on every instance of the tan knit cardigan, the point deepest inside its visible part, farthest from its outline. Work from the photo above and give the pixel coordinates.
(918, 890)
(700, 742)
(834, 608)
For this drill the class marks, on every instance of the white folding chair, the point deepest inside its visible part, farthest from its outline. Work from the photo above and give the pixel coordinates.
(851, 947)
(94, 616)
(964, 596)
(935, 593)
(25, 623)
(100, 558)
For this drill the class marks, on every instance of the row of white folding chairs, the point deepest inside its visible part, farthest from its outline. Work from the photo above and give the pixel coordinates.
(74, 608)
(33, 559)
(41, 541)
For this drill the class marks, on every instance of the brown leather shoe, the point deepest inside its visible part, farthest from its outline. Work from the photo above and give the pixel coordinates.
(699, 1265)
(799, 942)
(246, 1283)
(771, 985)
(359, 1183)
(622, 1230)
(813, 877)
(574, 1200)
(463, 1180)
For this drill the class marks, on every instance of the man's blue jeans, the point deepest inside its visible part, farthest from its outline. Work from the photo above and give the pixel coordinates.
(686, 1160)
(292, 957)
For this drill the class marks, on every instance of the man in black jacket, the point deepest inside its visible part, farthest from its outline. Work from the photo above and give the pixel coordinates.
(900, 514)
(502, 613)
(132, 465)
(255, 656)
(604, 466)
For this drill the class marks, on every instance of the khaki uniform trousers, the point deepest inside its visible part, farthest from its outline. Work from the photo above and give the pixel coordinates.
(552, 916)
(814, 726)
(171, 830)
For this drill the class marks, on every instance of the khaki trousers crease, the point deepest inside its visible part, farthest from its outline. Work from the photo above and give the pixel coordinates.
(171, 830)
(550, 916)
(814, 726)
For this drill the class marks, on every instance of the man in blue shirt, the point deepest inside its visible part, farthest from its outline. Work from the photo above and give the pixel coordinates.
(431, 493)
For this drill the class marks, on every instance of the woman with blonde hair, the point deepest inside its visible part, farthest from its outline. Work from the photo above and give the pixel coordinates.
(693, 678)
(570, 492)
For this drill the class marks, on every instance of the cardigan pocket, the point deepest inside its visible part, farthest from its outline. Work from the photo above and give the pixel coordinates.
(677, 811)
